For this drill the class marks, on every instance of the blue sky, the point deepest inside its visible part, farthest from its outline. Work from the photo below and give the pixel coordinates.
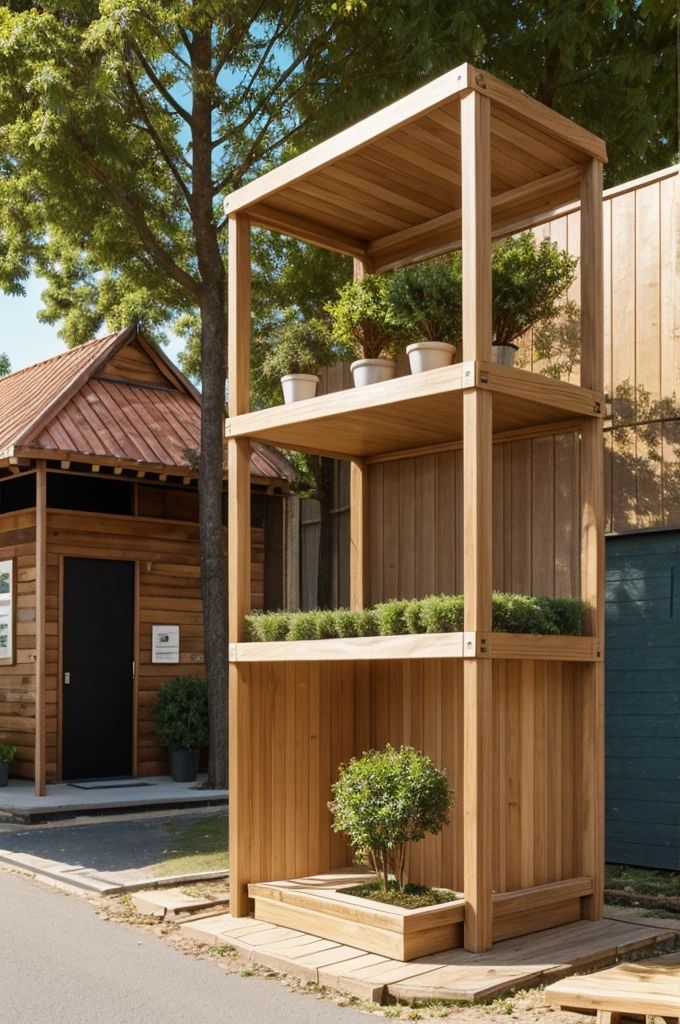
(25, 340)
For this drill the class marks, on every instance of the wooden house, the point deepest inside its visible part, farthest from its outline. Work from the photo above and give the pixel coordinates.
(517, 720)
(99, 555)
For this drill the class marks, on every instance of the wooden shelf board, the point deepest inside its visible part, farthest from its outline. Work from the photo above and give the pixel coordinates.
(423, 645)
(413, 411)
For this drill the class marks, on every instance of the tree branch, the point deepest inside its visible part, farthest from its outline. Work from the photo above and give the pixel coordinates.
(165, 93)
(174, 170)
(151, 243)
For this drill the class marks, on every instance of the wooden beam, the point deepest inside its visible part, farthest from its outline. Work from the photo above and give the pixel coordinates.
(370, 129)
(444, 231)
(239, 326)
(358, 536)
(477, 519)
(64, 464)
(592, 539)
(40, 635)
(307, 231)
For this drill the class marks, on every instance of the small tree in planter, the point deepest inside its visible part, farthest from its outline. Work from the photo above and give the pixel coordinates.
(428, 303)
(182, 724)
(365, 324)
(385, 800)
(7, 755)
(297, 349)
(529, 282)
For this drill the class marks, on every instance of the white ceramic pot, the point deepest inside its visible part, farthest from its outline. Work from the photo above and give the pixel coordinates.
(298, 386)
(430, 355)
(372, 371)
(504, 354)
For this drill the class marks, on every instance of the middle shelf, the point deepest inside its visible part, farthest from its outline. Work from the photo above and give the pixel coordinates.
(423, 645)
(415, 411)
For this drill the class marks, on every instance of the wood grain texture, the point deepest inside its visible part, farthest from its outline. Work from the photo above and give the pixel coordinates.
(359, 552)
(238, 329)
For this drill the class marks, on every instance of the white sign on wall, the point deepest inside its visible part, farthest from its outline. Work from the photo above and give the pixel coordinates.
(6, 611)
(165, 644)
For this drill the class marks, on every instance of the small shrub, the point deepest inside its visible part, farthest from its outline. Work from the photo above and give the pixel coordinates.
(299, 346)
(269, 627)
(428, 300)
(392, 618)
(327, 625)
(364, 320)
(7, 753)
(304, 626)
(348, 623)
(385, 800)
(182, 713)
(414, 617)
(517, 613)
(566, 613)
(368, 623)
(442, 613)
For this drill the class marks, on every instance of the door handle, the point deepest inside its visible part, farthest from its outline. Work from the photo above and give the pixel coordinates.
(67, 678)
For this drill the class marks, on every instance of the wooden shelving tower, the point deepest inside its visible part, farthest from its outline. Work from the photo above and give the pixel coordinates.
(457, 163)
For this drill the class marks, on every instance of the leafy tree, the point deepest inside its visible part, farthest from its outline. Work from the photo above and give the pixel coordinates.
(387, 799)
(5, 365)
(121, 130)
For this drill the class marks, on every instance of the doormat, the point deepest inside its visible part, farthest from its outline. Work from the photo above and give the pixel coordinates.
(111, 784)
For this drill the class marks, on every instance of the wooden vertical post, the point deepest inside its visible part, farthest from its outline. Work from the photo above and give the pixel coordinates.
(239, 551)
(358, 533)
(477, 465)
(40, 638)
(358, 515)
(592, 538)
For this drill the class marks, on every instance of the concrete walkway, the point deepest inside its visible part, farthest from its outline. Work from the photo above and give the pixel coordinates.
(64, 965)
(18, 801)
(99, 855)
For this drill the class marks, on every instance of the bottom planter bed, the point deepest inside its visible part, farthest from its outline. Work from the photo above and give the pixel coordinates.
(320, 906)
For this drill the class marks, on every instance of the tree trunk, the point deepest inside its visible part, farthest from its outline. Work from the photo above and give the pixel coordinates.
(212, 534)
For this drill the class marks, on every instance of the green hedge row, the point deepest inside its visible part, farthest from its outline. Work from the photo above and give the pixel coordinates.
(443, 613)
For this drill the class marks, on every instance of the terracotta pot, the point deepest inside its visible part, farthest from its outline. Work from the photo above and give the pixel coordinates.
(504, 354)
(372, 371)
(430, 355)
(298, 386)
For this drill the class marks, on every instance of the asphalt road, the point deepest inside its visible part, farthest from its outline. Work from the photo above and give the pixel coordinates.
(61, 964)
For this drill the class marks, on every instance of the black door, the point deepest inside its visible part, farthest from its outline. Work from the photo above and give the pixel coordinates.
(97, 661)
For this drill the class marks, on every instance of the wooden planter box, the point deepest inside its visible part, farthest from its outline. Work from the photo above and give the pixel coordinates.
(320, 906)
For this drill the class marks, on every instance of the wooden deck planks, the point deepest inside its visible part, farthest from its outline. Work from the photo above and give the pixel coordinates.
(524, 962)
(649, 987)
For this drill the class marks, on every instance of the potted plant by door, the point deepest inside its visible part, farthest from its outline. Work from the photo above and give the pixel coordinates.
(182, 724)
(529, 283)
(428, 302)
(296, 350)
(365, 323)
(7, 755)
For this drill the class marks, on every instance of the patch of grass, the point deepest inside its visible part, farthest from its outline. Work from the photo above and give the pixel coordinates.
(201, 846)
(411, 896)
(642, 880)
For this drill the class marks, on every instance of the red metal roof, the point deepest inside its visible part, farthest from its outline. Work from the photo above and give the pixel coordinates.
(63, 405)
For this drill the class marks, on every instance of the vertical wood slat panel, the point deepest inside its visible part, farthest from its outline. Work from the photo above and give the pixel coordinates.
(304, 724)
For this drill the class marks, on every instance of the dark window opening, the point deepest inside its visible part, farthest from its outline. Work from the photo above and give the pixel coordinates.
(89, 494)
(17, 492)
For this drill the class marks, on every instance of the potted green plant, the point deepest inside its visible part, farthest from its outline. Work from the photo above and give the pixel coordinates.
(529, 282)
(428, 302)
(296, 350)
(7, 755)
(182, 724)
(365, 324)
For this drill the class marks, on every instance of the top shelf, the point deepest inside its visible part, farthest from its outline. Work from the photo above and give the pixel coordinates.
(415, 411)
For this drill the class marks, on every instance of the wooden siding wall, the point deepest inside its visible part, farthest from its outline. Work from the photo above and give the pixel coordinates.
(305, 719)
(169, 590)
(17, 682)
(416, 521)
